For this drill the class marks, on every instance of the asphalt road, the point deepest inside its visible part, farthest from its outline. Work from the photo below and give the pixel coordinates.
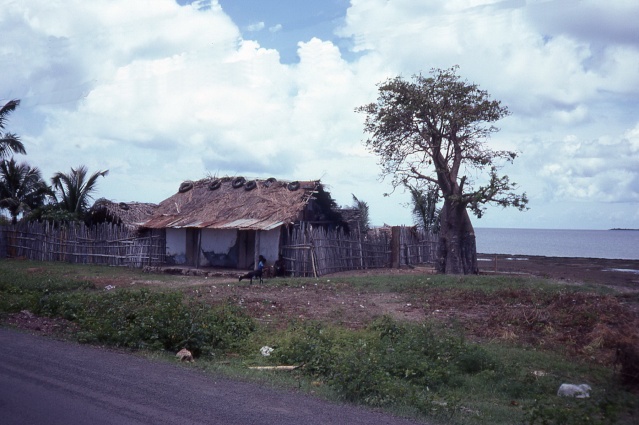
(44, 381)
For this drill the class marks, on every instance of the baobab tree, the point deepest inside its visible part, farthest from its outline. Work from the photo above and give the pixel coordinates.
(433, 130)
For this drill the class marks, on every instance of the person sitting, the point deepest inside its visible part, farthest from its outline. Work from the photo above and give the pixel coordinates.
(280, 266)
(257, 273)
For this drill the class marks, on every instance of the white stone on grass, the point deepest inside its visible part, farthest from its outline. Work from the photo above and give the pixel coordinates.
(572, 390)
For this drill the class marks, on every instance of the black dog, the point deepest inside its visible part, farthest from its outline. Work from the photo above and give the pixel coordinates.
(253, 274)
(256, 273)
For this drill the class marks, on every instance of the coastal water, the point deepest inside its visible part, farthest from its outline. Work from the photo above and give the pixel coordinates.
(616, 244)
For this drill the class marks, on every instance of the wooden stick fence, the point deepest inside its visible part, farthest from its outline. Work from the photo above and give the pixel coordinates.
(316, 252)
(308, 251)
(418, 246)
(76, 243)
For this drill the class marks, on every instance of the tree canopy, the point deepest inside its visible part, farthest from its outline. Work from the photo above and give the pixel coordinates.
(9, 142)
(22, 188)
(74, 189)
(424, 205)
(433, 130)
(364, 214)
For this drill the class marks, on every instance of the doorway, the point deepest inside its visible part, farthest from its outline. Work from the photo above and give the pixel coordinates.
(246, 248)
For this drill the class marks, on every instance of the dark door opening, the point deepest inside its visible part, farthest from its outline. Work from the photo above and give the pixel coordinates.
(246, 248)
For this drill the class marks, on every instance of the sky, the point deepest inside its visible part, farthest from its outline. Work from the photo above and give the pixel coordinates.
(162, 91)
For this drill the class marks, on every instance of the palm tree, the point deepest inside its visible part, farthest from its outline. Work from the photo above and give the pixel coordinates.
(21, 188)
(9, 142)
(74, 189)
(363, 219)
(425, 211)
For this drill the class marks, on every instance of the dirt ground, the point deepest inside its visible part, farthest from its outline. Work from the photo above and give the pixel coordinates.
(586, 324)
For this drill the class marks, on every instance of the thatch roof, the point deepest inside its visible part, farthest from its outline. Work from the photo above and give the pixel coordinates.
(130, 214)
(352, 216)
(229, 203)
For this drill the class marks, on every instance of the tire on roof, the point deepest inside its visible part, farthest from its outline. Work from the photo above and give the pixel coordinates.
(238, 182)
(250, 185)
(293, 186)
(268, 182)
(215, 184)
(185, 186)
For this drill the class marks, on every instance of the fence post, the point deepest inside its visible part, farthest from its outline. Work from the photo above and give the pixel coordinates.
(4, 234)
(395, 247)
(361, 248)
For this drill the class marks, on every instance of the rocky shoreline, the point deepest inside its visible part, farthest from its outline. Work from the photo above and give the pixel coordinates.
(610, 272)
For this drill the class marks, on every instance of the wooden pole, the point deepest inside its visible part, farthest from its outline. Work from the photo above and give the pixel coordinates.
(395, 247)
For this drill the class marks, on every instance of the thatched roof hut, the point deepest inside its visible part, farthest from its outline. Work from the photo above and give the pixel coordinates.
(238, 203)
(129, 214)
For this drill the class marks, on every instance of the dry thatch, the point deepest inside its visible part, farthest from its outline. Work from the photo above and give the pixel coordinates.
(129, 214)
(352, 216)
(234, 203)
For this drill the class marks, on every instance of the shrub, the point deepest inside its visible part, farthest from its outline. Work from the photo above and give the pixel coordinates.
(416, 352)
(390, 363)
(358, 374)
(600, 409)
(474, 359)
(144, 319)
(628, 359)
(309, 344)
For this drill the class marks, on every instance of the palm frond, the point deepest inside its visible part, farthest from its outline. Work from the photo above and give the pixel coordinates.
(74, 189)
(9, 142)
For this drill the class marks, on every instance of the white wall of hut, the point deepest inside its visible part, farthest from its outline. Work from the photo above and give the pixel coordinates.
(176, 245)
(220, 242)
(267, 243)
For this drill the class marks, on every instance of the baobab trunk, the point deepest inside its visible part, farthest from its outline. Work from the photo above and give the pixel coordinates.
(457, 248)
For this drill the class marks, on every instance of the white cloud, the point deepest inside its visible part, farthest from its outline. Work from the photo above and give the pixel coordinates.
(632, 138)
(257, 26)
(275, 28)
(606, 22)
(574, 169)
(159, 93)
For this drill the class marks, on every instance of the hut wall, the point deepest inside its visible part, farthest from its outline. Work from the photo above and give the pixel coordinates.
(219, 248)
(176, 246)
(267, 243)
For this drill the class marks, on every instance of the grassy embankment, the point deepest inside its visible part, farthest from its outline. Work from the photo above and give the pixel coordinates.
(450, 371)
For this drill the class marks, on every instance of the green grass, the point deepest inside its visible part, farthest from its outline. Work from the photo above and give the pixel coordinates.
(485, 284)
(423, 370)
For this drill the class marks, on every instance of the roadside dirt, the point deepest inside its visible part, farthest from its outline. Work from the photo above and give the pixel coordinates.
(585, 323)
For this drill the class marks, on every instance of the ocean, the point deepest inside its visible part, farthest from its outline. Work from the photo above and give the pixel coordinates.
(615, 244)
